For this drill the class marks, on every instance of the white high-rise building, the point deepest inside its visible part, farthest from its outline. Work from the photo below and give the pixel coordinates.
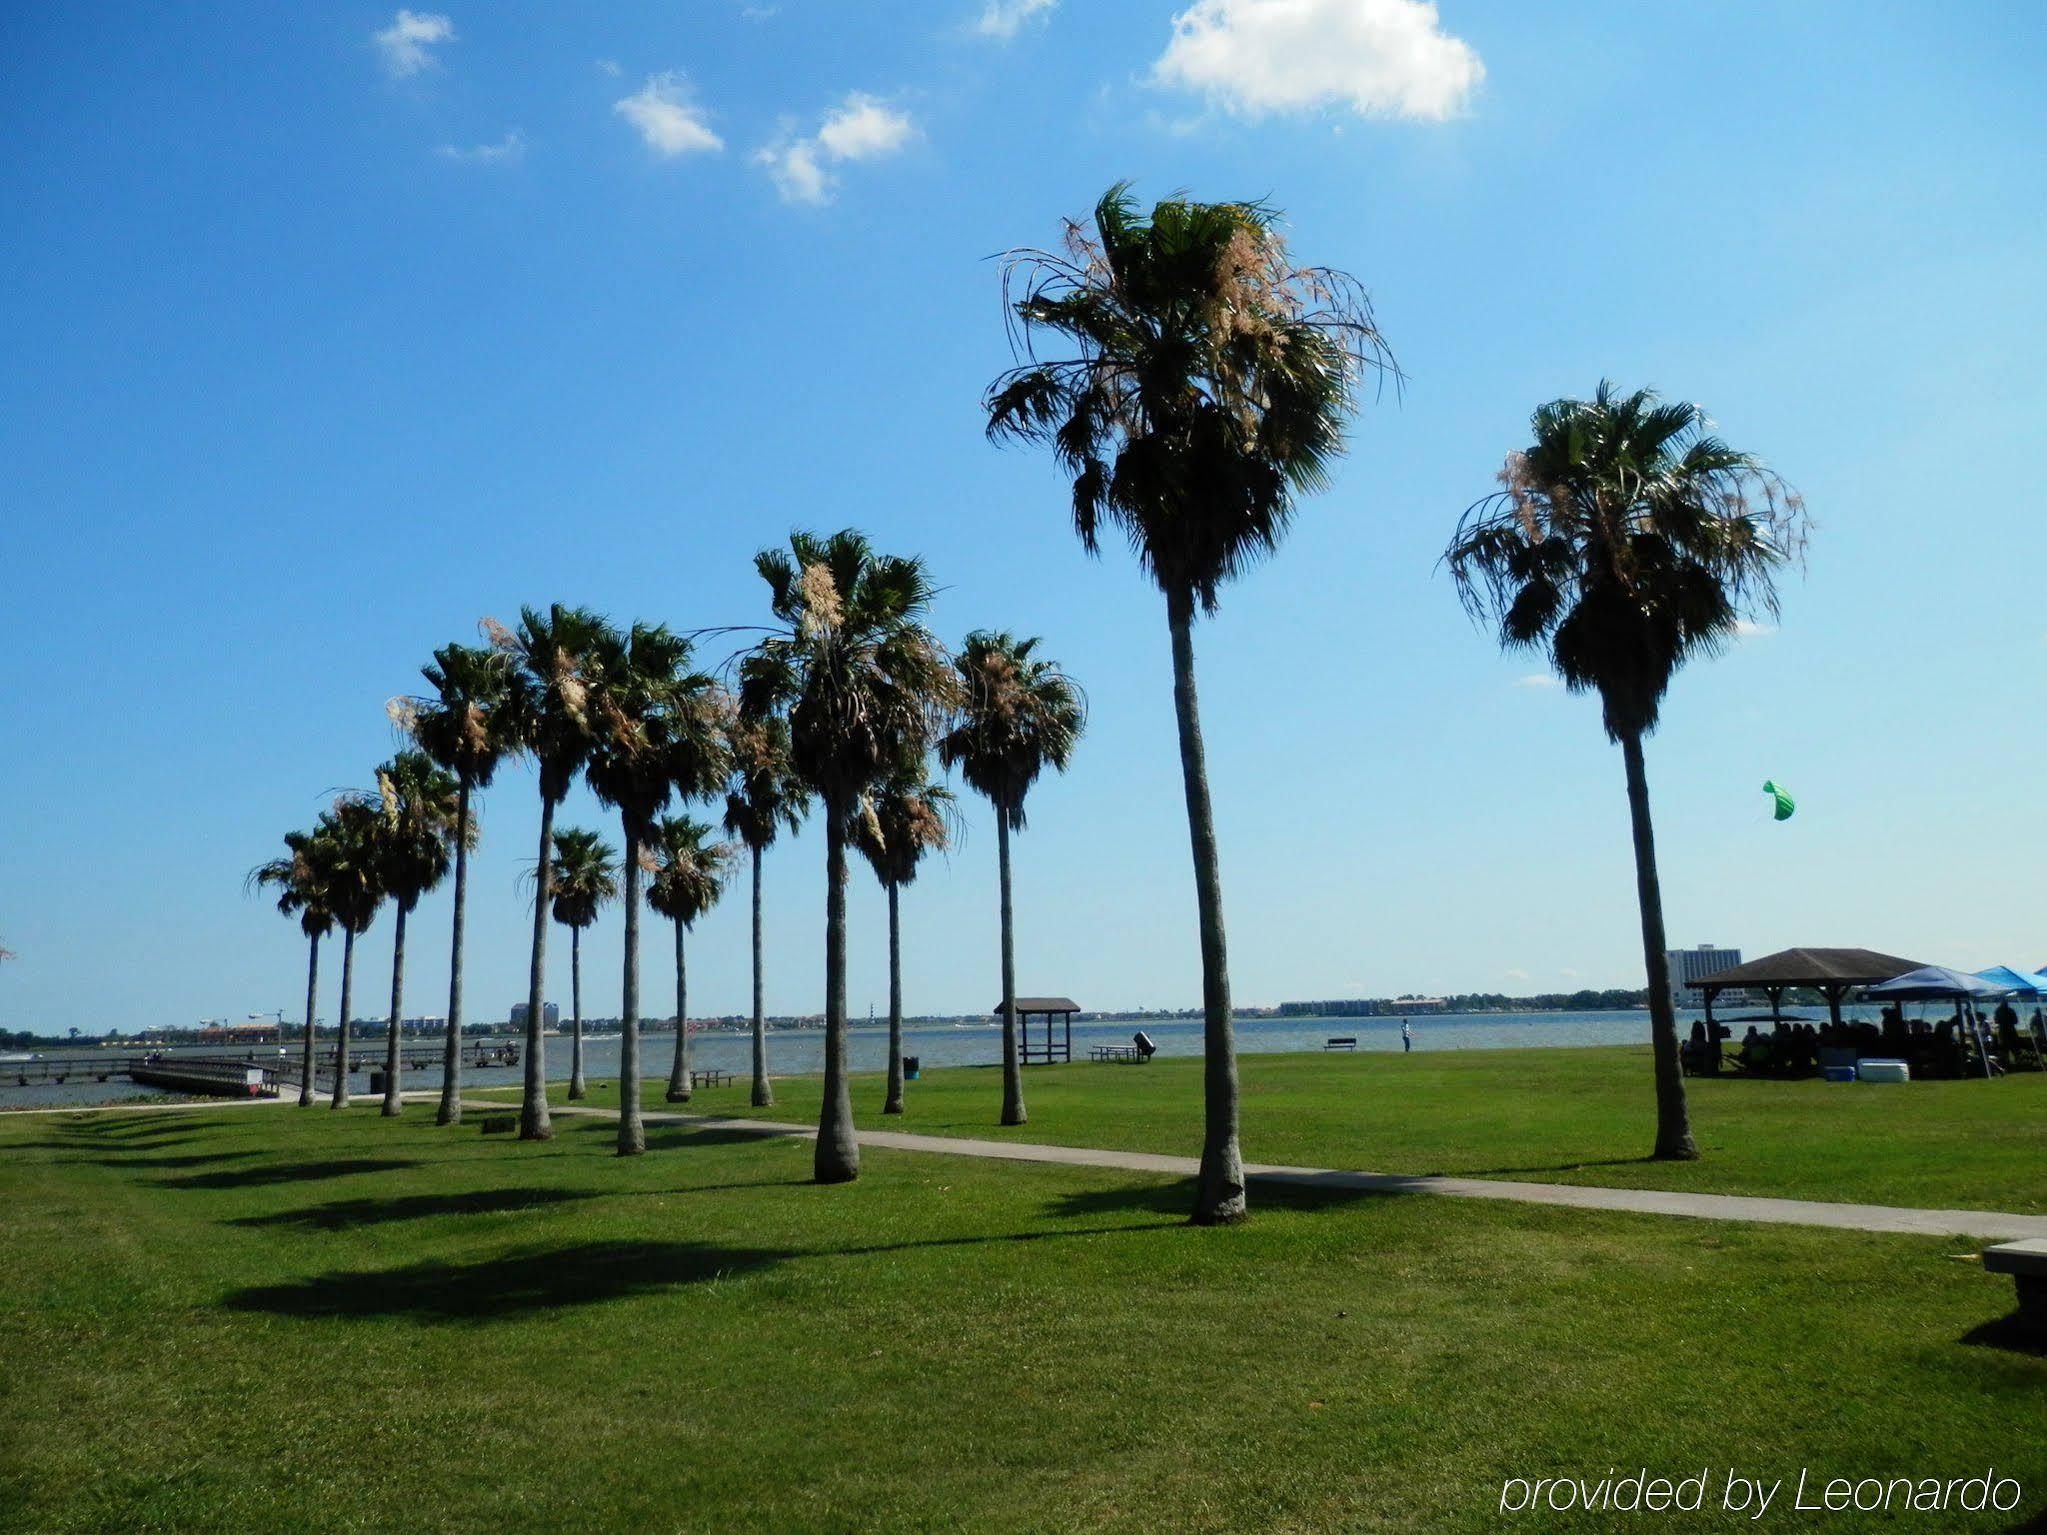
(1691, 964)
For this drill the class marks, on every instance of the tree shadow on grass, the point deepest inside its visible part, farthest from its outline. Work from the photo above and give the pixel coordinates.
(341, 1214)
(515, 1285)
(1559, 1167)
(127, 1126)
(1177, 1198)
(2012, 1335)
(286, 1172)
(189, 1159)
(665, 1137)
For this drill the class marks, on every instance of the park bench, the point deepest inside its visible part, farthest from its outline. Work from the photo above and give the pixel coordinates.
(709, 1077)
(1342, 1042)
(2026, 1262)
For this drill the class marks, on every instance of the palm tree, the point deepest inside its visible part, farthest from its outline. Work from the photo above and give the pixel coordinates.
(419, 804)
(1021, 716)
(689, 879)
(864, 685)
(353, 875)
(660, 731)
(1625, 540)
(766, 798)
(584, 882)
(1203, 383)
(548, 718)
(299, 878)
(904, 818)
(466, 726)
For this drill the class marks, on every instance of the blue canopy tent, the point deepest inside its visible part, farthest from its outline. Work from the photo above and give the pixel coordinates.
(2022, 983)
(2026, 1038)
(1937, 983)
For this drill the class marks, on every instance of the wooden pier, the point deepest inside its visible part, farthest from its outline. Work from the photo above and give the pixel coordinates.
(228, 1071)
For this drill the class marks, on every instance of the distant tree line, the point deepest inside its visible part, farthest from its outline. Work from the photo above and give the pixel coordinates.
(1587, 1001)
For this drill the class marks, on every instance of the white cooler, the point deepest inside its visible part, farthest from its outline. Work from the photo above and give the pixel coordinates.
(1883, 1071)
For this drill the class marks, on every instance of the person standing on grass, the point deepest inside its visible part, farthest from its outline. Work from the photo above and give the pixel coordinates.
(1406, 1037)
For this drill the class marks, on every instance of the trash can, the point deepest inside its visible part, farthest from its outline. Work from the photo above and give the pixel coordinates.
(910, 1065)
(376, 1082)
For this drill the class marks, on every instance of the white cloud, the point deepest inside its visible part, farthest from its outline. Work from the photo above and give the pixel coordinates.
(1749, 629)
(1381, 58)
(1003, 19)
(406, 45)
(1539, 680)
(507, 151)
(794, 169)
(610, 67)
(1517, 974)
(1568, 974)
(861, 127)
(666, 117)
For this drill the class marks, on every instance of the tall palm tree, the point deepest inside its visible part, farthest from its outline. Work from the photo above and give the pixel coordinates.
(864, 684)
(1203, 383)
(689, 879)
(419, 806)
(466, 725)
(765, 799)
(1021, 715)
(904, 818)
(1625, 540)
(299, 878)
(584, 882)
(353, 874)
(548, 718)
(660, 732)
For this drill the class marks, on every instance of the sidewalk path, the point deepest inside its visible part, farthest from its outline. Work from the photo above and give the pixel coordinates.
(1978, 1225)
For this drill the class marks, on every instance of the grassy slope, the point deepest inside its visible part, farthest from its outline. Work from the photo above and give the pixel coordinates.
(277, 1320)
(1561, 1116)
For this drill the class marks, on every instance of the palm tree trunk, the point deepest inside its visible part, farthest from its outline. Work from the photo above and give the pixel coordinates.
(394, 1058)
(451, 1052)
(577, 1087)
(1673, 1125)
(763, 1089)
(312, 1007)
(679, 1085)
(1219, 1194)
(1013, 1112)
(894, 1105)
(533, 1120)
(838, 1153)
(340, 1097)
(632, 1135)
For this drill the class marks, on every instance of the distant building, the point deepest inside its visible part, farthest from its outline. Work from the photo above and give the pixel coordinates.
(550, 1015)
(1691, 965)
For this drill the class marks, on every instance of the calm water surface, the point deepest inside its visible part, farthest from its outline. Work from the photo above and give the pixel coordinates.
(801, 1052)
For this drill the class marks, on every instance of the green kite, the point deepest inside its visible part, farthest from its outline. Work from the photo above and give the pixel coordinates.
(1786, 805)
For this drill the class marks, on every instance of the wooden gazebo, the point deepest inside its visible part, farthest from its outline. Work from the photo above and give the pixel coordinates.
(1055, 1047)
(1833, 973)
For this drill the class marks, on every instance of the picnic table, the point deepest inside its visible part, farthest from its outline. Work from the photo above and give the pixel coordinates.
(711, 1076)
(1128, 1055)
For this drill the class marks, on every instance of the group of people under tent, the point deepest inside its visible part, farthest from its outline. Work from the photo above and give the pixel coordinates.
(1790, 1047)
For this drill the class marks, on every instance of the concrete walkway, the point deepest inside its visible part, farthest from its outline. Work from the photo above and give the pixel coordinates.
(1977, 1225)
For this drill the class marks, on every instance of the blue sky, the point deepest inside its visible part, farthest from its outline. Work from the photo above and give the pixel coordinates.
(332, 330)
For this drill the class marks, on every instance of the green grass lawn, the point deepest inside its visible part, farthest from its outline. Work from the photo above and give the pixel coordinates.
(273, 1319)
(1556, 1116)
